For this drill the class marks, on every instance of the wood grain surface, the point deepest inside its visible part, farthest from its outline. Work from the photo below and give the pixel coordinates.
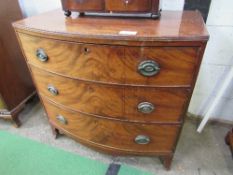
(126, 6)
(187, 26)
(131, 6)
(118, 102)
(118, 135)
(84, 5)
(113, 64)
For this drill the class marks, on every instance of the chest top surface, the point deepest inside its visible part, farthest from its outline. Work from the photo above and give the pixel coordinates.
(175, 26)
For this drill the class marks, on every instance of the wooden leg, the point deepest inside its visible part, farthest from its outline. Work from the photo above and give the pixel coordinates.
(55, 132)
(16, 121)
(229, 140)
(156, 16)
(67, 13)
(167, 161)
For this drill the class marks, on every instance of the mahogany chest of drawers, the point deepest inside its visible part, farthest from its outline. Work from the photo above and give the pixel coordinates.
(121, 86)
(112, 6)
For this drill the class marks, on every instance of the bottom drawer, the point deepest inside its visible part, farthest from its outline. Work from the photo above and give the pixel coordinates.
(122, 136)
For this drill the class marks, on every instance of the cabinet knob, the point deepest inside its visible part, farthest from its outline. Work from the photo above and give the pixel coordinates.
(148, 68)
(61, 119)
(53, 90)
(142, 140)
(146, 107)
(41, 55)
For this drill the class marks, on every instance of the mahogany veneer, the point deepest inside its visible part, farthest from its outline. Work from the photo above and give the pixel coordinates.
(114, 135)
(120, 94)
(118, 102)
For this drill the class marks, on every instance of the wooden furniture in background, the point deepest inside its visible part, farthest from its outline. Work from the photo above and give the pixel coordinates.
(112, 6)
(16, 86)
(121, 86)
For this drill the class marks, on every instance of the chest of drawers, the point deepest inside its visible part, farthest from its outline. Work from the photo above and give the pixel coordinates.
(117, 93)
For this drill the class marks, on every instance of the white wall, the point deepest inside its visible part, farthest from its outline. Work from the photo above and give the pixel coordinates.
(217, 60)
(172, 4)
(34, 7)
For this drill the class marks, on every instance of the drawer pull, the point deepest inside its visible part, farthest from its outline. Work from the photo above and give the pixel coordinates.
(148, 68)
(146, 107)
(41, 55)
(61, 119)
(53, 90)
(142, 140)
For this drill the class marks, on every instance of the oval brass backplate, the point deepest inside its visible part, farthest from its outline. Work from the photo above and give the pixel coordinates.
(53, 90)
(146, 107)
(61, 119)
(142, 140)
(41, 55)
(148, 68)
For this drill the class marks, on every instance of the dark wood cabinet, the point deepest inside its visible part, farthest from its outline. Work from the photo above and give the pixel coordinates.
(112, 6)
(16, 86)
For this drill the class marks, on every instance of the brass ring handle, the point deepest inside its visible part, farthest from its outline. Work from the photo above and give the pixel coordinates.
(148, 68)
(53, 90)
(142, 140)
(41, 55)
(61, 119)
(146, 107)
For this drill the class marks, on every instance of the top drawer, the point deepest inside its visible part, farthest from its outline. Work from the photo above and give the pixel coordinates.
(87, 5)
(128, 5)
(151, 66)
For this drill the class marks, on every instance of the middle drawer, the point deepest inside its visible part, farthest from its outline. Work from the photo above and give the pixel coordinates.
(138, 104)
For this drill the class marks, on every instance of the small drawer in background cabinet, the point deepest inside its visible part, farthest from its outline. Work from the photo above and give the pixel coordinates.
(83, 5)
(128, 5)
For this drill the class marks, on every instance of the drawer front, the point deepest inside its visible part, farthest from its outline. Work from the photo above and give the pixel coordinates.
(163, 66)
(153, 66)
(119, 135)
(88, 62)
(83, 5)
(128, 5)
(123, 103)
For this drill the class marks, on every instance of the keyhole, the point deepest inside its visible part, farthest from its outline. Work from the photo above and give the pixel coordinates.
(86, 50)
(126, 2)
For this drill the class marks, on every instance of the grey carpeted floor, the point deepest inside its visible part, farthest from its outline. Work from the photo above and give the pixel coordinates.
(197, 154)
